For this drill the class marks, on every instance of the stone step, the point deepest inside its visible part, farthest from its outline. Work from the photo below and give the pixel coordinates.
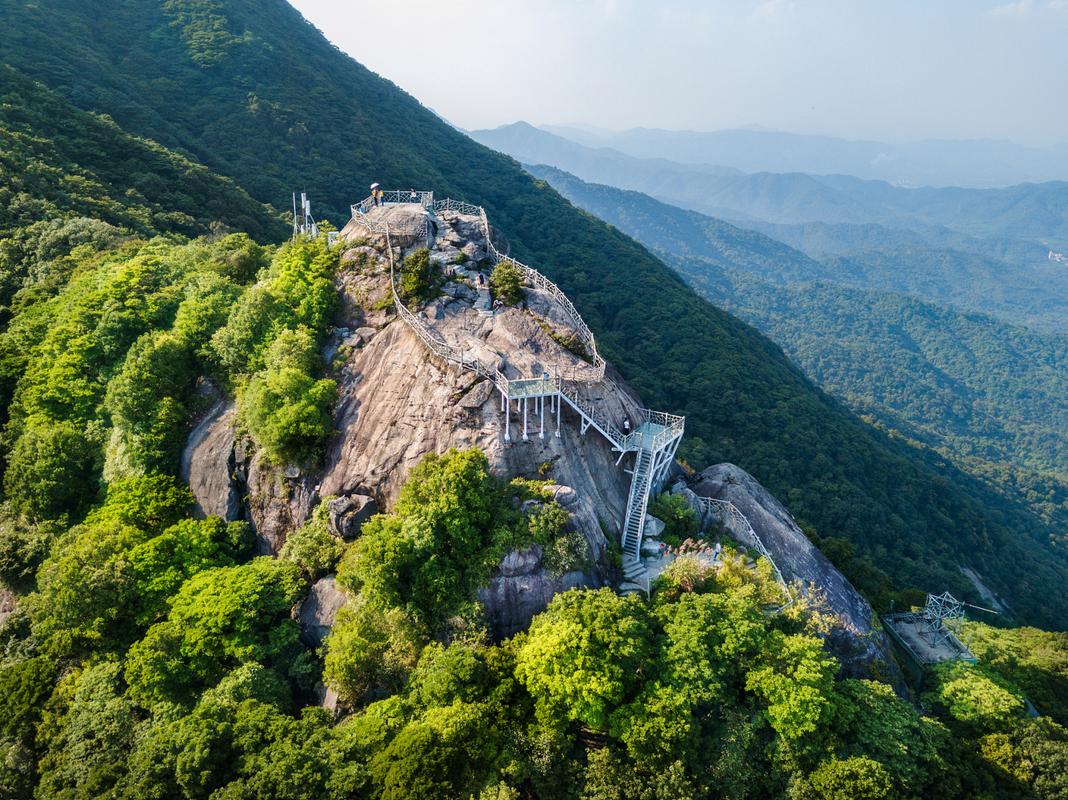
(630, 588)
(633, 569)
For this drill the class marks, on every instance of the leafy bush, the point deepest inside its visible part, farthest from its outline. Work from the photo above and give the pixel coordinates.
(507, 282)
(283, 407)
(418, 279)
(220, 619)
(370, 652)
(312, 547)
(680, 521)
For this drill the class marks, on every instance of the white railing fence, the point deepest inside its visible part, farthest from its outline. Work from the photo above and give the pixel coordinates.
(727, 513)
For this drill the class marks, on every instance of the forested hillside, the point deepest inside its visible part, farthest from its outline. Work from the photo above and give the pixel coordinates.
(263, 98)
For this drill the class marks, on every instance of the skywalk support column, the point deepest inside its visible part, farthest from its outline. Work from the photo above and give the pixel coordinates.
(507, 418)
(524, 419)
(558, 404)
(541, 417)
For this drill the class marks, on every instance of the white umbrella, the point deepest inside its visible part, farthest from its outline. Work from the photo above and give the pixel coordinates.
(374, 185)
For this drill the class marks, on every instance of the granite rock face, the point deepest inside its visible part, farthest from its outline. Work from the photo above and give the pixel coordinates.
(857, 639)
(229, 480)
(207, 464)
(319, 609)
(398, 402)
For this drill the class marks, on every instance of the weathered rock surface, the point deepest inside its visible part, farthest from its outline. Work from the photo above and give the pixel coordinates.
(207, 464)
(276, 502)
(348, 513)
(319, 610)
(857, 640)
(7, 605)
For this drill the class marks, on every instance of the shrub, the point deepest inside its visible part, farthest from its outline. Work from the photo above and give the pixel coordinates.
(369, 653)
(975, 697)
(312, 547)
(680, 521)
(507, 282)
(417, 277)
(284, 408)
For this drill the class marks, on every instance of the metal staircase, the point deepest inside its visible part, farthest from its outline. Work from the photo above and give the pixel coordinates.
(634, 521)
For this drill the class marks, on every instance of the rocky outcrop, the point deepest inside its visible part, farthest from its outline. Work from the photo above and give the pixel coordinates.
(8, 604)
(207, 464)
(523, 586)
(278, 500)
(319, 609)
(348, 513)
(229, 480)
(857, 639)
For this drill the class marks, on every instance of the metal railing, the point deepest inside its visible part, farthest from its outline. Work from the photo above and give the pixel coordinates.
(595, 415)
(531, 277)
(395, 197)
(727, 512)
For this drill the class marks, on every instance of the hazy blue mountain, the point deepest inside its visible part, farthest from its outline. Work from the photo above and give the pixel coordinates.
(989, 395)
(1032, 291)
(1035, 213)
(930, 162)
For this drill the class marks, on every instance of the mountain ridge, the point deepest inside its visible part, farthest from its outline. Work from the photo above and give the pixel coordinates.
(745, 402)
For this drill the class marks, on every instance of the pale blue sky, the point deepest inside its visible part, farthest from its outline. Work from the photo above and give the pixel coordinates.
(893, 69)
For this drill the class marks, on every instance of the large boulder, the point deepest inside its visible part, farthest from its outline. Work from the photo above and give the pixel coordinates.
(207, 463)
(856, 640)
(522, 587)
(347, 514)
(319, 610)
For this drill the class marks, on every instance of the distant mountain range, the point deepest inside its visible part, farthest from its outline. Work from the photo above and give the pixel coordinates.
(978, 249)
(1037, 213)
(932, 162)
(988, 395)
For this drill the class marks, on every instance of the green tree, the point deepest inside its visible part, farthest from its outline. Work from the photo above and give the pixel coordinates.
(448, 754)
(418, 279)
(856, 778)
(51, 470)
(86, 731)
(370, 652)
(797, 683)
(220, 619)
(438, 546)
(974, 697)
(507, 282)
(680, 521)
(285, 409)
(586, 654)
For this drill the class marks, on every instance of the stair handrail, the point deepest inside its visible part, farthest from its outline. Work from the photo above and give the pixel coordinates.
(716, 506)
(430, 338)
(533, 277)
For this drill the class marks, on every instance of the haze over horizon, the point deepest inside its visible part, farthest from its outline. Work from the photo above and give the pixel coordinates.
(906, 72)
